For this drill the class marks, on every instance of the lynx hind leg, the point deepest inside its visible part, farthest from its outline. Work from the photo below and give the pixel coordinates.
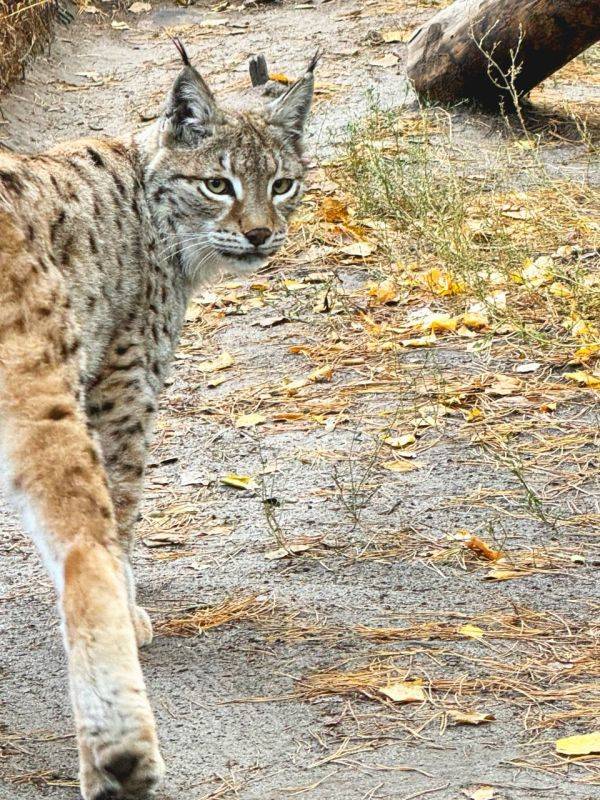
(56, 478)
(121, 408)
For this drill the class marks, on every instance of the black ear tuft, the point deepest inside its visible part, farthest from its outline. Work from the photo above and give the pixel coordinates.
(181, 50)
(191, 110)
(290, 111)
(315, 61)
(259, 72)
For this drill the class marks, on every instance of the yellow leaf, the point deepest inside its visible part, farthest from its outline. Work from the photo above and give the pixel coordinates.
(585, 353)
(405, 692)
(119, 25)
(249, 420)
(333, 210)
(474, 415)
(439, 322)
(293, 285)
(279, 77)
(421, 341)
(441, 282)
(359, 249)
(238, 481)
(382, 293)
(471, 631)
(402, 465)
(224, 361)
(558, 289)
(581, 745)
(583, 378)
(475, 321)
(400, 441)
(395, 36)
(581, 329)
(537, 273)
(470, 717)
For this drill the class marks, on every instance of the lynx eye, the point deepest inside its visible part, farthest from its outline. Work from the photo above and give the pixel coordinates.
(282, 185)
(219, 186)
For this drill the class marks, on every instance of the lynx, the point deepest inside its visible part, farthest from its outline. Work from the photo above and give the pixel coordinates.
(102, 244)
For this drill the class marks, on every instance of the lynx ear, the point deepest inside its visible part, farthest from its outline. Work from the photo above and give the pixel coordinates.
(191, 107)
(290, 111)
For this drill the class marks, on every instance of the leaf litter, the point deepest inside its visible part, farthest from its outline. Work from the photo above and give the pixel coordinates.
(485, 338)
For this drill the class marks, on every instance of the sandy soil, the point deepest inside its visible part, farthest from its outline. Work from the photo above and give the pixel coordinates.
(239, 710)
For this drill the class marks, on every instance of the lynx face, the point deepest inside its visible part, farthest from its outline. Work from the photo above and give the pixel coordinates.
(222, 185)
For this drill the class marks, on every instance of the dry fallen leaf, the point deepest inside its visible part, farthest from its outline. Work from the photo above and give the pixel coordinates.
(480, 793)
(441, 282)
(333, 210)
(382, 293)
(528, 366)
(359, 249)
(474, 320)
(223, 361)
(284, 552)
(118, 25)
(405, 692)
(395, 36)
(474, 415)
(471, 631)
(238, 481)
(478, 546)
(583, 378)
(536, 273)
(581, 745)
(139, 7)
(500, 574)
(388, 60)
(470, 717)
(249, 420)
(438, 322)
(503, 385)
(402, 465)
(585, 353)
(400, 441)
(421, 341)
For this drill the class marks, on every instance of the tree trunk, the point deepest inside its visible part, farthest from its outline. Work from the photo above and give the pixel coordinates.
(525, 39)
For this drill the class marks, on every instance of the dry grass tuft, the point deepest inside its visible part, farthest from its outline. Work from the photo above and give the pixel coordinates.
(25, 27)
(248, 608)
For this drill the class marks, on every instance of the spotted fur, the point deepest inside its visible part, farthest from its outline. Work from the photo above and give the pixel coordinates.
(102, 243)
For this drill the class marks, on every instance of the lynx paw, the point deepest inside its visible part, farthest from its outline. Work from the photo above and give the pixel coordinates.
(143, 627)
(129, 770)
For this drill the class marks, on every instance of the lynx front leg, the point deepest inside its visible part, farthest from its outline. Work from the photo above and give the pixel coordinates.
(121, 409)
(60, 486)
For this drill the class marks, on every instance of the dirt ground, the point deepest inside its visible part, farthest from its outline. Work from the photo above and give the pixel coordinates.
(307, 568)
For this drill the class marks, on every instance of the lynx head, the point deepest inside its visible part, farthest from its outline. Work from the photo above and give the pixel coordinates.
(222, 184)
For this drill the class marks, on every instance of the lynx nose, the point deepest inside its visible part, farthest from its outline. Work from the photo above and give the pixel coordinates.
(258, 236)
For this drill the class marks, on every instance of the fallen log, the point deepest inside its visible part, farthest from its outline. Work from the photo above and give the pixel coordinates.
(485, 50)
